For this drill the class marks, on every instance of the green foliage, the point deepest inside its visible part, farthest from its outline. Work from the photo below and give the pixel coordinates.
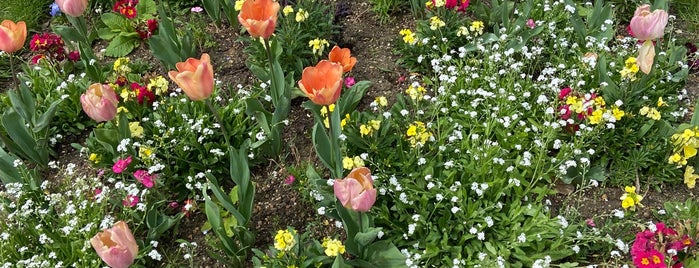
(122, 31)
(169, 45)
(215, 7)
(31, 12)
(385, 8)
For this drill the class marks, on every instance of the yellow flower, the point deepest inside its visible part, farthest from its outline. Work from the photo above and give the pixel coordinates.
(477, 26)
(145, 152)
(627, 202)
(644, 110)
(412, 131)
(439, 3)
(158, 85)
(347, 163)
(429, 4)
(630, 189)
(344, 121)
(333, 247)
(287, 10)
(599, 101)
(631, 61)
(121, 65)
(408, 36)
(284, 240)
(436, 23)
(364, 130)
(126, 94)
(462, 31)
(324, 110)
(689, 177)
(618, 113)
(417, 134)
(689, 151)
(375, 124)
(415, 92)
(239, 5)
(302, 15)
(95, 158)
(122, 110)
(318, 45)
(654, 114)
(596, 116)
(675, 158)
(136, 130)
(381, 101)
(661, 102)
(358, 162)
(630, 199)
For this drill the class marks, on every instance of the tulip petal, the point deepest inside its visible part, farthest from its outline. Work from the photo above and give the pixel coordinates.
(646, 55)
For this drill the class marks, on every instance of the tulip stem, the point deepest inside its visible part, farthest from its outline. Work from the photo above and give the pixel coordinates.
(218, 118)
(14, 74)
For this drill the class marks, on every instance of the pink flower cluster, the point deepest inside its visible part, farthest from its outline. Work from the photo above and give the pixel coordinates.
(648, 249)
(50, 46)
(126, 8)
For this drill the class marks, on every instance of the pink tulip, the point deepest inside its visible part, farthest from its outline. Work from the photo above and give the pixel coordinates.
(116, 246)
(100, 102)
(356, 191)
(195, 77)
(531, 24)
(646, 54)
(647, 25)
(74, 8)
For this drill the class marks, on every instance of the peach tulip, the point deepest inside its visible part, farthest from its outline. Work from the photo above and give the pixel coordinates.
(322, 83)
(12, 35)
(646, 54)
(647, 25)
(100, 102)
(259, 17)
(74, 8)
(195, 77)
(356, 191)
(343, 57)
(116, 246)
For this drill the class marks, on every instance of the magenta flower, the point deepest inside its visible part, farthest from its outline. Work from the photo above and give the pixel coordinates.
(121, 165)
(145, 178)
(531, 24)
(290, 180)
(130, 200)
(349, 81)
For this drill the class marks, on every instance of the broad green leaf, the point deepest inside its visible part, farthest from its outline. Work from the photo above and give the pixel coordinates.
(120, 46)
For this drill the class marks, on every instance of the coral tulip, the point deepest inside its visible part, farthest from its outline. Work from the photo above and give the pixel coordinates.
(74, 8)
(343, 57)
(259, 17)
(646, 54)
(100, 102)
(322, 83)
(116, 246)
(647, 25)
(12, 35)
(356, 191)
(195, 77)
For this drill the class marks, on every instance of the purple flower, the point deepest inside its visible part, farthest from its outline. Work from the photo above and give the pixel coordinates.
(290, 180)
(55, 10)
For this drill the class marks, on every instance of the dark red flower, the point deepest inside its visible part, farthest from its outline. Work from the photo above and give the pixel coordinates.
(74, 55)
(142, 93)
(35, 60)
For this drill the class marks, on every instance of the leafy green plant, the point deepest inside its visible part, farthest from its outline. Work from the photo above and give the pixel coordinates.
(127, 26)
(169, 45)
(216, 7)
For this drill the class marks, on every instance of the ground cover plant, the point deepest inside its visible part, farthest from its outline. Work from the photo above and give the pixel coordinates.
(133, 137)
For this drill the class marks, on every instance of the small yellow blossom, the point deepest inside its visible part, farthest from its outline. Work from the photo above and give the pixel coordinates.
(347, 163)
(596, 116)
(429, 4)
(415, 92)
(618, 113)
(145, 152)
(375, 124)
(333, 247)
(122, 109)
(364, 130)
(381, 101)
(439, 3)
(284, 240)
(408, 36)
(318, 45)
(462, 31)
(477, 26)
(136, 130)
(417, 134)
(121, 66)
(690, 178)
(239, 5)
(358, 162)
(158, 85)
(301, 15)
(661, 102)
(630, 69)
(324, 110)
(94, 158)
(436, 23)
(630, 199)
(287, 10)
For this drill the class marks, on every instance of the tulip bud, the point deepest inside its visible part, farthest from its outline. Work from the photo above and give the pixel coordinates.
(116, 246)
(259, 17)
(12, 35)
(74, 8)
(343, 57)
(195, 77)
(356, 191)
(100, 102)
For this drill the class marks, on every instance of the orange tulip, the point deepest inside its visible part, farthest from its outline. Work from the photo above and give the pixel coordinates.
(322, 83)
(195, 77)
(259, 17)
(74, 8)
(116, 246)
(357, 191)
(343, 57)
(12, 36)
(100, 102)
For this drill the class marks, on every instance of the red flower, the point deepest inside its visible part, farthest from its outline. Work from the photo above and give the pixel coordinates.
(130, 200)
(35, 60)
(142, 93)
(145, 178)
(564, 93)
(121, 165)
(126, 8)
(74, 55)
